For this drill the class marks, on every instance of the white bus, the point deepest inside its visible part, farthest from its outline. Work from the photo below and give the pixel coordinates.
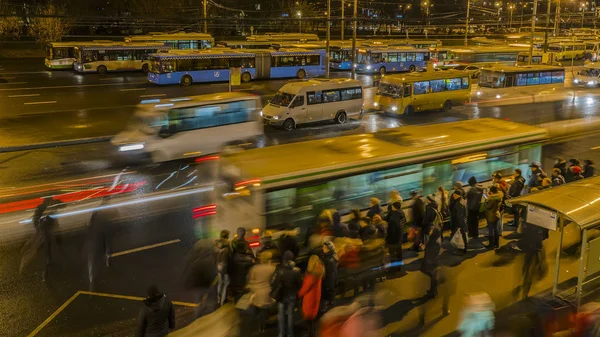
(180, 40)
(567, 50)
(115, 56)
(190, 127)
(313, 101)
(60, 55)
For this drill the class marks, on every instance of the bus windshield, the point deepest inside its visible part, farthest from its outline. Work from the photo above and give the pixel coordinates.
(589, 72)
(555, 48)
(149, 125)
(282, 99)
(491, 79)
(362, 57)
(390, 90)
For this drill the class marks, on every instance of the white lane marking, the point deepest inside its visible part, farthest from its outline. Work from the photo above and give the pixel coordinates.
(133, 89)
(139, 249)
(153, 95)
(595, 148)
(7, 83)
(45, 102)
(69, 86)
(26, 95)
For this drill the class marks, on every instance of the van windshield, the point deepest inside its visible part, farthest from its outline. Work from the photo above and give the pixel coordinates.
(589, 72)
(282, 99)
(149, 125)
(390, 90)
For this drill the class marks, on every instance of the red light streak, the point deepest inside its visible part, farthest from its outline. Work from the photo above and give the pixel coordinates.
(248, 182)
(203, 159)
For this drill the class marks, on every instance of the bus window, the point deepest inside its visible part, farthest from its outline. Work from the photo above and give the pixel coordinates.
(453, 84)
(375, 57)
(437, 85)
(410, 56)
(521, 79)
(421, 87)
(465, 83)
(558, 76)
(533, 78)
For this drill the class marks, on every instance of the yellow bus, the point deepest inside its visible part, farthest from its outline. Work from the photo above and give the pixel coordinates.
(567, 50)
(407, 93)
(482, 56)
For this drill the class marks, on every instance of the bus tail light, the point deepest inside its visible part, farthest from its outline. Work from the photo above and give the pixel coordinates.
(203, 211)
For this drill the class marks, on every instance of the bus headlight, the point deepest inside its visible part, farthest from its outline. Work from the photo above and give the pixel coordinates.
(576, 81)
(261, 113)
(478, 93)
(394, 108)
(131, 147)
(591, 83)
(498, 96)
(275, 117)
(375, 104)
(369, 67)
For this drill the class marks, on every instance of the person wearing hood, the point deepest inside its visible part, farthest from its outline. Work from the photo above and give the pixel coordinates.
(458, 216)
(394, 196)
(417, 209)
(396, 223)
(561, 165)
(514, 191)
(431, 213)
(367, 230)
(473, 205)
(340, 229)
(157, 317)
(259, 279)
(286, 282)
(311, 291)
(589, 170)
(492, 216)
(573, 170)
(241, 262)
(375, 208)
(457, 186)
(557, 177)
(354, 224)
(222, 256)
(429, 264)
(381, 226)
(537, 175)
(330, 279)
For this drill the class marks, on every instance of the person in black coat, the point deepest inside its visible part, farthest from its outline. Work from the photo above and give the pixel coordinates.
(431, 213)
(330, 279)
(354, 225)
(430, 259)
(561, 165)
(473, 204)
(242, 259)
(340, 229)
(396, 223)
(417, 211)
(288, 242)
(458, 216)
(288, 279)
(157, 317)
(589, 170)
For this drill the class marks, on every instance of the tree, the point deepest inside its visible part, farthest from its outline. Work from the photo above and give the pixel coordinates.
(10, 24)
(49, 23)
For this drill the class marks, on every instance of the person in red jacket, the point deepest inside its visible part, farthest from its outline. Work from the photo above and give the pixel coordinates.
(310, 293)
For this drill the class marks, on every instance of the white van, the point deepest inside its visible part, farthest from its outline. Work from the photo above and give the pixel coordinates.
(190, 127)
(315, 100)
(588, 76)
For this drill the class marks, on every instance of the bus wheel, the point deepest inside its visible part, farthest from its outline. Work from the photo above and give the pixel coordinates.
(301, 74)
(412, 68)
(341, 118)
(288, 125)
(246, 77)
(101, 70)
(382, 71)
(186, 80)
(447, 106)
(409, 111)
(145, 67)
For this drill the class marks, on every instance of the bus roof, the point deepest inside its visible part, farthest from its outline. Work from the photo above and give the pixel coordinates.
(228, 52)
(521, 69)
(284, 37)
(151, 106)
(563, 43)
(489, 49)
(281, 165)
(384, 49)
(63, 44)
(295, 86)
(169, 36)
(422, 76)
(116, 45)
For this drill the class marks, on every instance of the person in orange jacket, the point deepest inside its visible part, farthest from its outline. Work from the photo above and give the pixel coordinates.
(310, 293)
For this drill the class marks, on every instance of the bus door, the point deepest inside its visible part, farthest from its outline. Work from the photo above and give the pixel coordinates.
(407, 97)
(263, 65)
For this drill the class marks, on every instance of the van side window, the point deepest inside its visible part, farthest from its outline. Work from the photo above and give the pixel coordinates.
(314, 97)
(298, 101)
(331, 96)
(352, 93)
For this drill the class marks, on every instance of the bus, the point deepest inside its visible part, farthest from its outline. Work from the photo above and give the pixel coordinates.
(487, 55)
(298, 37)
(442, 56)
(420, 44)
(60, 55)
(405, 94)
(175, 128)
(115, 56)
(180, 40)
(567, 50)
(340, 55)
(275, 188)
(185, 68)
(539, 57)
(391, 59)
(503, 82)
(247, 44)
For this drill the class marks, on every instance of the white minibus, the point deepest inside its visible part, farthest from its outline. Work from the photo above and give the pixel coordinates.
(315, 100)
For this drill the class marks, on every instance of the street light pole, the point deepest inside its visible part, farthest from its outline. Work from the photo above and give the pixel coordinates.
(299, 21)
(343, 16)
(557, 19)
(533, 17)
(328, 38)
(511, 7)
(547, 26)
(354, 25)
(204, 14)
(522, 8)
(467, 22)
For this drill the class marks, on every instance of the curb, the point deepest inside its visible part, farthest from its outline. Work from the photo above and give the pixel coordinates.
(78, 141)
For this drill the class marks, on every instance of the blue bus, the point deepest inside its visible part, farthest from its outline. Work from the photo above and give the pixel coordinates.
(340, 55)
(391, 59)
(189, 67)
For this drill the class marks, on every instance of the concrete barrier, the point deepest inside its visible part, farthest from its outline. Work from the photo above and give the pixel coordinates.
(46, 145)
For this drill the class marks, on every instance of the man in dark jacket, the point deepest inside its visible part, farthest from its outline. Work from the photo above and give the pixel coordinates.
(396, 223)
(589, 169)
(431, 214)
(417, 211)
(537, 174)
(561, 165)
(242, 260)
(222, 256)
(288, 280)
(288, 242)
(340, 229)
(557, 177)
(514, 191)
(458, 216)
(430, 259)
(458, 186)
(473, 205)
(330, 279)
(157, 316)
(573, 170)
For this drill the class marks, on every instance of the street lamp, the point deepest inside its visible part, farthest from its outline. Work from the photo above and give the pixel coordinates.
(299, 13)
(426, 4)
(582, 13)
(511, 8)
(524, 5)
(498, 5)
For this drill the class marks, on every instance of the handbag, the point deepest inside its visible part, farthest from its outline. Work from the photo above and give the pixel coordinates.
(457, 240)
(244, 302)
